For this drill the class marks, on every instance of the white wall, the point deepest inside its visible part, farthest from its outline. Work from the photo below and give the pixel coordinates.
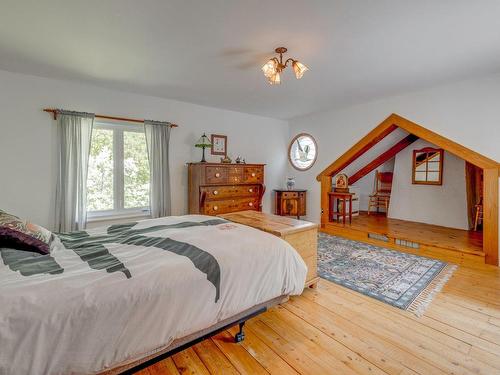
(444, 205)
(27, 145)
(467, 112)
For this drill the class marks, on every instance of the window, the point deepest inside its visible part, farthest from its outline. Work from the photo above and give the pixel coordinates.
(428, 166)
(118, 175)
(302, 152)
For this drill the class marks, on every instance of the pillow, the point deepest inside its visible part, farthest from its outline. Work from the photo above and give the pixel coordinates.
(22, 235)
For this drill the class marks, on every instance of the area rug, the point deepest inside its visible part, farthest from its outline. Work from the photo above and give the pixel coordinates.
(402, 280)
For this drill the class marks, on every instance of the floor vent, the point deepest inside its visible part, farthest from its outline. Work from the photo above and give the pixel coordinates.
(406, 243)
(377, 236)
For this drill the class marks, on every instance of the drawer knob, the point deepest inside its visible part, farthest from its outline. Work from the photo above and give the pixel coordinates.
(216, 192)
(250, 190)
(253, 174)
(217, 175)
(250, 204)
(216, 208)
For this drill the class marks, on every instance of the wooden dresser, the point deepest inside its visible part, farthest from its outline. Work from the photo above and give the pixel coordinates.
(302, 235)
(216, 188)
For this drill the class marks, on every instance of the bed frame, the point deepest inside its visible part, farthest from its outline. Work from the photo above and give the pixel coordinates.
(178, 345)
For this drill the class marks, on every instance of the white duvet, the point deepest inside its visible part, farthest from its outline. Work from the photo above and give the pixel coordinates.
(81, 319)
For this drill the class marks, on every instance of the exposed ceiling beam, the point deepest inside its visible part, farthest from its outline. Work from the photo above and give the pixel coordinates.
(366, 143)
(382, 158)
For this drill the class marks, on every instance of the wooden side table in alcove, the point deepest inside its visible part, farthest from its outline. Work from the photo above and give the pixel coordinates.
(290, 202)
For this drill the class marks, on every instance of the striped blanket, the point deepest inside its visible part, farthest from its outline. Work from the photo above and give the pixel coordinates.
(111, 295)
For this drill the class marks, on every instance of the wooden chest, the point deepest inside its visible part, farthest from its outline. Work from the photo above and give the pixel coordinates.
(216, 188)
(302, 235)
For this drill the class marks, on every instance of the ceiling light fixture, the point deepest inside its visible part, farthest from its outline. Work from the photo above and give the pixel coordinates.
(273, 68)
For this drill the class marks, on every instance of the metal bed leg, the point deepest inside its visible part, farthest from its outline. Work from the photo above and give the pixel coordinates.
(240, 336)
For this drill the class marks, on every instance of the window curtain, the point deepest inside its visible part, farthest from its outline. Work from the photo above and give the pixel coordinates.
(157, 140)
(74, 132)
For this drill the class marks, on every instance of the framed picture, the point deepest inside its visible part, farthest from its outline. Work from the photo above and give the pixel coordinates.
(219, 144)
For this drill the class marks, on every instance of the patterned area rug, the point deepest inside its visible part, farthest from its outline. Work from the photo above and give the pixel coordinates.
(403, 280)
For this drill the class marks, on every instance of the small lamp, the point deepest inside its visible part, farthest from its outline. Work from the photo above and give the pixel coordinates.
(203, 143)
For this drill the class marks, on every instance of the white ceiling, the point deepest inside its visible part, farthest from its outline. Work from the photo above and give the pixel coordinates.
(210, 51)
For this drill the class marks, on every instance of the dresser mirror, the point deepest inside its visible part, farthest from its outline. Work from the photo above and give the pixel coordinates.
(428, 166)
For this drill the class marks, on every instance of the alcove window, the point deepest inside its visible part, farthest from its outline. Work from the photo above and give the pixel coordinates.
(428, 166)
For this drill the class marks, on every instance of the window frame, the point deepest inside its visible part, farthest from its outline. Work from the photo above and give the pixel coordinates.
(119, 210)
(290, 150)
(427, 162)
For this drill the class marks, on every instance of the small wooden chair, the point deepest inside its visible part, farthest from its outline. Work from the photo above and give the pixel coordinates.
(382, 194)
(478, 213)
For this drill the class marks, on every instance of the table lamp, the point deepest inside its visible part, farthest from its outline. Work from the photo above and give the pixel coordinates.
(203, 143)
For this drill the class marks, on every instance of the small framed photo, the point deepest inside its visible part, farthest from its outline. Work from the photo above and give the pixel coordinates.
(219, 144)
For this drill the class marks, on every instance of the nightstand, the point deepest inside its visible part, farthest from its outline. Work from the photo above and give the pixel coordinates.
(290, 202)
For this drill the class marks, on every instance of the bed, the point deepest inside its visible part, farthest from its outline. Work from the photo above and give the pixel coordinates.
(108, 299)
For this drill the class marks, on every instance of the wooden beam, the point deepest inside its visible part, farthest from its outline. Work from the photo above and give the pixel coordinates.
(381, 159)
(367, 142)
(326, 187)
(444, 143)
(490, 215)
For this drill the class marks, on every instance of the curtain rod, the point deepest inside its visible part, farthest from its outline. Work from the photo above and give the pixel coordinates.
(54, 113)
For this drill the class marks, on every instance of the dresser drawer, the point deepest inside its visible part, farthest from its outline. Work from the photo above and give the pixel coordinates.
(230, 205)
(216, 175)
(221, 192)
(253, 175)
(235, 175)
(290, 195)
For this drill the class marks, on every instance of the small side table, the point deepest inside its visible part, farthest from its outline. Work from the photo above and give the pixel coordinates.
(344, 198)
(290, 202)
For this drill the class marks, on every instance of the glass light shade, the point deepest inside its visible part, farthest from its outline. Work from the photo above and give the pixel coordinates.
(203, 142)
(299, 69)
(275, 79)
(269, 68)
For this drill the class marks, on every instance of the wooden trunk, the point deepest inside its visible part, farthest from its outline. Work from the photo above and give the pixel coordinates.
(302, 235)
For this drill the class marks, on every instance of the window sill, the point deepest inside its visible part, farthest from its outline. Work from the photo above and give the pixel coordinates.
(134, 215)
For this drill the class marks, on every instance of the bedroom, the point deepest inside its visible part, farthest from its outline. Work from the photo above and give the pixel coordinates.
(198, 65)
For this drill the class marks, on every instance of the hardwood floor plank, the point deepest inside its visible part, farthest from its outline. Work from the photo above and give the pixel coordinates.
(213, 359)
(165, 367)
(267, 357)
(357, 346)
(237, 355)
(338, 326)
(404, 318)
(188, 363)
(298, 359)
(336, 356)
(295, 329)
(408, 339)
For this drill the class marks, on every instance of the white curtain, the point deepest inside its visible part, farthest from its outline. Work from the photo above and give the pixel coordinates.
(157, 139)
(74, 132)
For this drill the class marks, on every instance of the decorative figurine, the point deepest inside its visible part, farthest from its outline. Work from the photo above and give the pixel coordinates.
(226, 160)
(341, 182)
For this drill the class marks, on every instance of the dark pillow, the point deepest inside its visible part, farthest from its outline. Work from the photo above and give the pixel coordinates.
(22, 235)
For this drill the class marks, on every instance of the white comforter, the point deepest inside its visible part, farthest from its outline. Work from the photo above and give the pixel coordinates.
(81, 319)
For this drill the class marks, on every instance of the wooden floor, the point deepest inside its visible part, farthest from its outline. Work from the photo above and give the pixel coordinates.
(432, 238)
(333, 330)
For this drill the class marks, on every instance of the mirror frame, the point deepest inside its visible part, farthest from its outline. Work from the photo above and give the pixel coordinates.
(428, 150)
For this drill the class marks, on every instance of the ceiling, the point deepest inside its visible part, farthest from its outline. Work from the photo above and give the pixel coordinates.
(210, 52)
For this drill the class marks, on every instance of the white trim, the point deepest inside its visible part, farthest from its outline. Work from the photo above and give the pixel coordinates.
(96, 216)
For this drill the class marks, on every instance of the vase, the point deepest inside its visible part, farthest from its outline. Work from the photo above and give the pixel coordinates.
(290, 183)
